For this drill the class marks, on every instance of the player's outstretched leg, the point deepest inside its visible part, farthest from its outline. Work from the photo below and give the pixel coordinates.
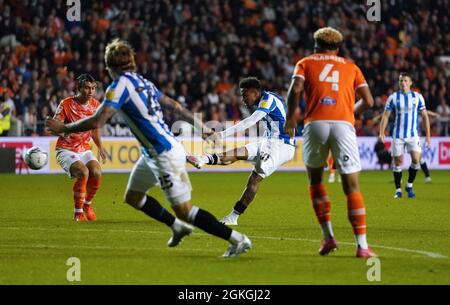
(81, 174)
(93, 184)
(239, 243)
(152, 208)
(246, 198)
(226, 158)
(426, 171)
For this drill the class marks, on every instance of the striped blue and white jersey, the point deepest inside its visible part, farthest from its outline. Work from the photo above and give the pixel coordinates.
(406, 108)
(273, 105)
(137, 99)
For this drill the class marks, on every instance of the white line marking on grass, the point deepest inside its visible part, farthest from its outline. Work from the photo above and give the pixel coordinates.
(422, 252)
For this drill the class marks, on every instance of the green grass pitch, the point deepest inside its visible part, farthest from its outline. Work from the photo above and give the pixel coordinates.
(37, 235)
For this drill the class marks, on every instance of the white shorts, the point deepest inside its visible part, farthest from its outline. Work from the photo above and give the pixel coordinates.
(66, 158)
(320, 137)
(400, 146)
(168, 171)
(268, 155)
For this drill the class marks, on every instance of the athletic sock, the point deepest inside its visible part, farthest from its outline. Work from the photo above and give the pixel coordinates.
(213, 159)
(424, 167)
(357, 217)
(92, 186)
(208, 223)
(79, 192)
(322, 208)
(239, 208)
(412, 173)
(153, 209)
(398, 177)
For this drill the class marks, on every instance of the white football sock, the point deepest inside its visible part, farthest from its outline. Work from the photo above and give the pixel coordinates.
(78, 210)
(177, 224)
(409, 185)
(327, 229)
(361, 240)
(204, 159)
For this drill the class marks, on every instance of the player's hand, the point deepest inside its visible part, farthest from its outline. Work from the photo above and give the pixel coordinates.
(290, 126)
(381, 137)
(102, 152)
(54, 126)
(427, 142)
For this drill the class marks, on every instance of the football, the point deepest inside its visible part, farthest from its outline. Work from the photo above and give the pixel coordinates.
(35, 157)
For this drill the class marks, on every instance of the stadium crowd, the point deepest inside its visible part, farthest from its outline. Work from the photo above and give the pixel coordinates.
(197, 51)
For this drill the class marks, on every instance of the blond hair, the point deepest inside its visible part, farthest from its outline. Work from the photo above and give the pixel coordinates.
(328, 39)
(119, 56)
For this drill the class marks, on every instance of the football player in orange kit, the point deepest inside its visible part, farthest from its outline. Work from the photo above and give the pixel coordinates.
(331, 84)
(73, 152)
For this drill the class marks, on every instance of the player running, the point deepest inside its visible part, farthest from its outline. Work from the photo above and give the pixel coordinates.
(330, 83)
(73, 151)
(163, 158)
(407, 105)
(275, 149)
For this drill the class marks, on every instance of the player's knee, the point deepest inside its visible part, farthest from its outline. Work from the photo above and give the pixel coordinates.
(81, 172)
(134, 198)
(95, 173)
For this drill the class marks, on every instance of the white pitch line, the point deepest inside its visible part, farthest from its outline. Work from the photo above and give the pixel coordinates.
(422, 252)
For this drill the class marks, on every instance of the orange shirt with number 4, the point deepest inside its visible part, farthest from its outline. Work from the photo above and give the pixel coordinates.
(330, 87)
(69, 111)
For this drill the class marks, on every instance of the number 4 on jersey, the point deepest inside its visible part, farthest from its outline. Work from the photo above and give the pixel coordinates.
(333, 79)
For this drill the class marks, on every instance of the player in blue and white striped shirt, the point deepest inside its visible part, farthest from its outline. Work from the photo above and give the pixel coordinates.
(163, 160)
(275, 148)
(406, 105)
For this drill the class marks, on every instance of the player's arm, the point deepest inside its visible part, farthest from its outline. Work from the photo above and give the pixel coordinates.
(293, 97)
(97, 138)
(432, 114)
(97, 120)
(366, 100)
(383, 124)
(184, 114)
(426, 119)
(256, 116)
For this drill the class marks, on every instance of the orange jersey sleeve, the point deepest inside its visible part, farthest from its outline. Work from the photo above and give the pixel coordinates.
(70, 111)
(330, 87)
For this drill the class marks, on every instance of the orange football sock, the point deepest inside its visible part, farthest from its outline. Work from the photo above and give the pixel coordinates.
(356, 212)
(79, 192)
(93, 184)
(322, 208)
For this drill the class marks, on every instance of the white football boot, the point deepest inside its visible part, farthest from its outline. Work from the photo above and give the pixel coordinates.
(242, 246)
(181, 231)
